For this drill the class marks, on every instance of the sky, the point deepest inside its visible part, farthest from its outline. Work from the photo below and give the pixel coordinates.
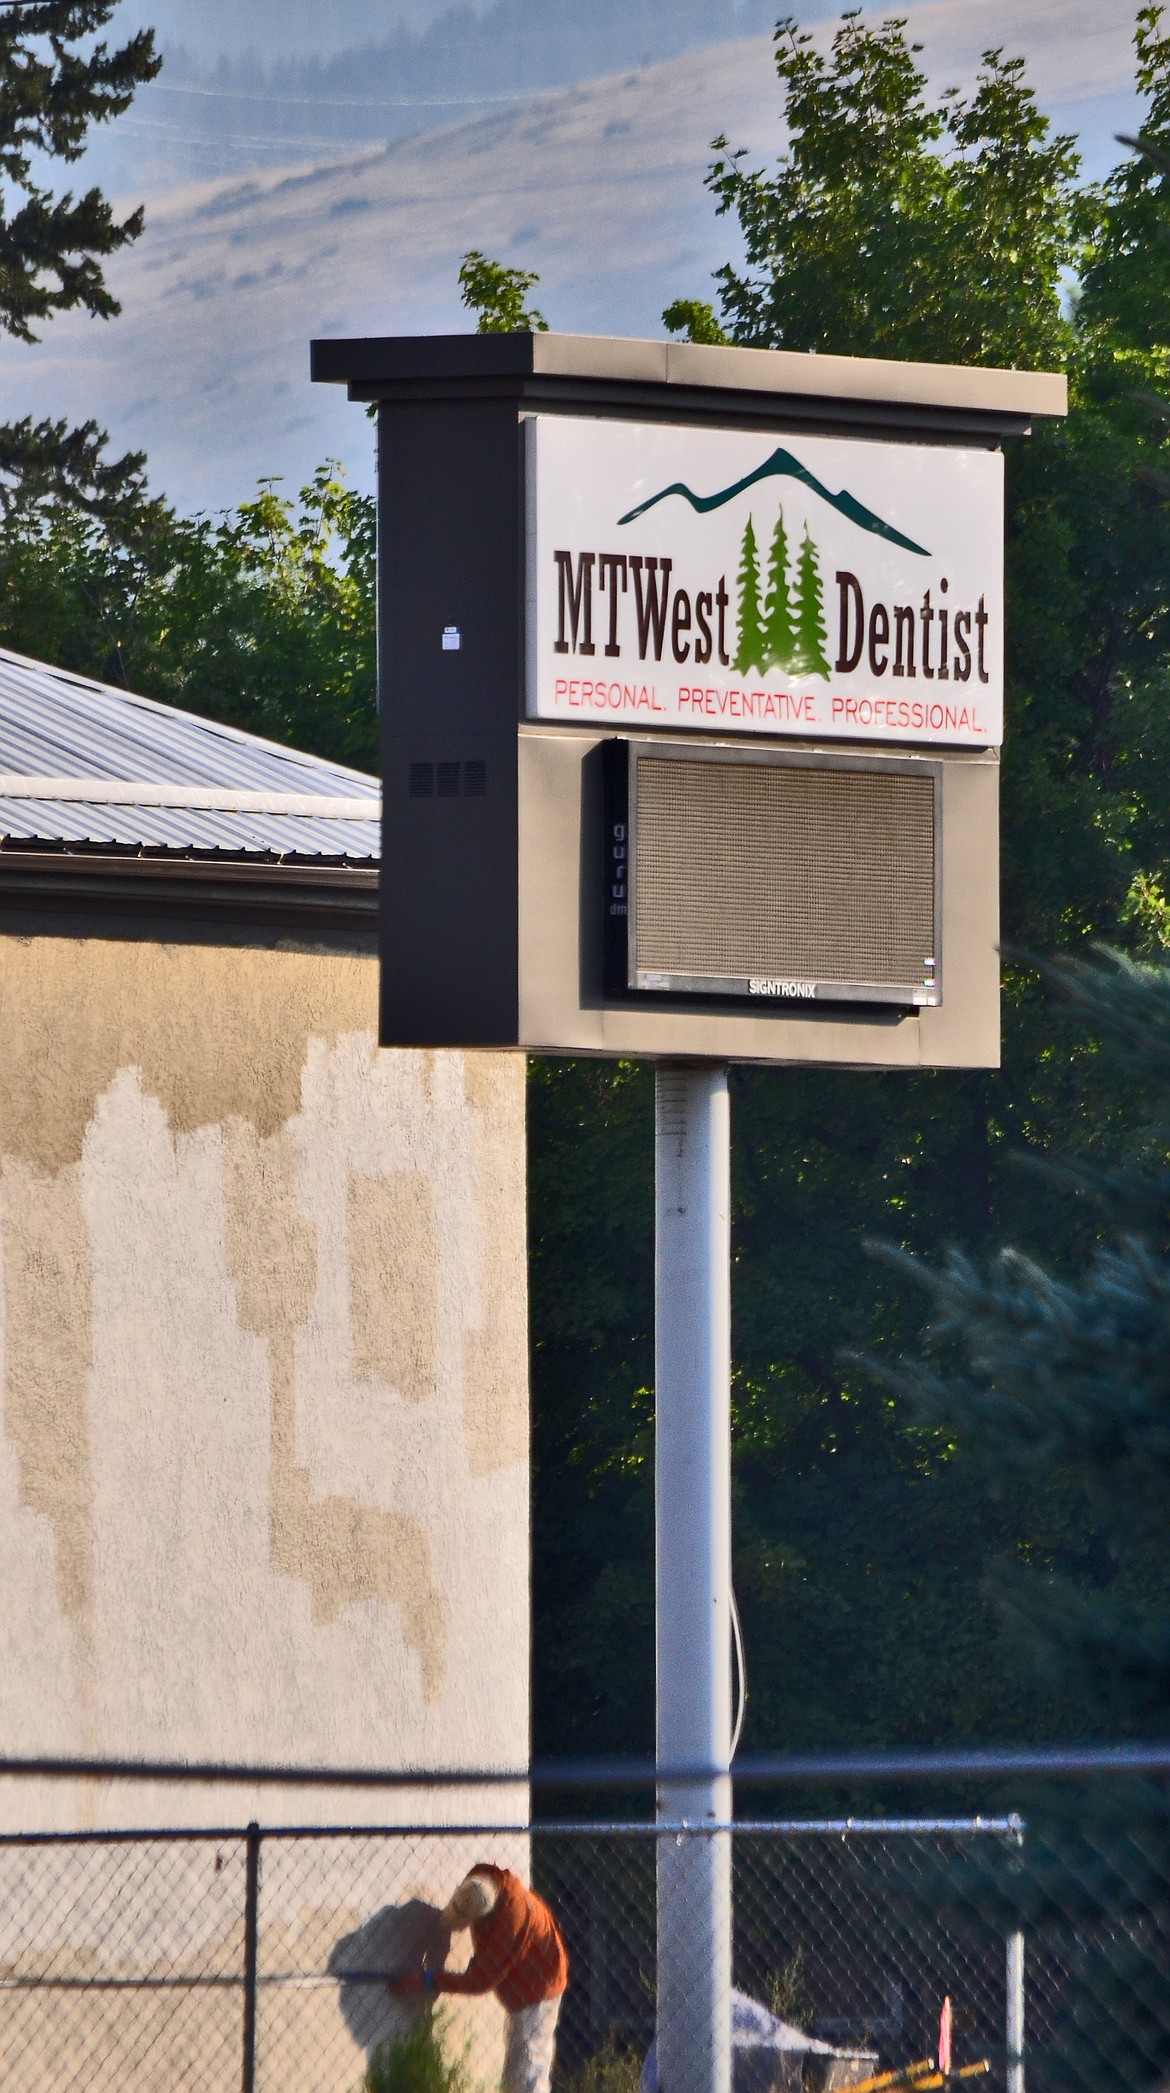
(253, 85)
(279, 28)
(598, 187)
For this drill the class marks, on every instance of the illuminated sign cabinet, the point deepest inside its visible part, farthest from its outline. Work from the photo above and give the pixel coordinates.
(692, 696)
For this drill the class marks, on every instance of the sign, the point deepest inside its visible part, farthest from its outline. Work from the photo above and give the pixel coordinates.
(735, 584)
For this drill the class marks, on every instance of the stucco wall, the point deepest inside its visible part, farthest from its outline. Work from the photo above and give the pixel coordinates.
(263, 1356)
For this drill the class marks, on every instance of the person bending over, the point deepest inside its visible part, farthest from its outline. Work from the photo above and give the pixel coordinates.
(518, 1953)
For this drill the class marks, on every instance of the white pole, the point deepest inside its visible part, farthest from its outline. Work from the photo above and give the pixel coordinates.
(1015, 2013)
(692, 1503)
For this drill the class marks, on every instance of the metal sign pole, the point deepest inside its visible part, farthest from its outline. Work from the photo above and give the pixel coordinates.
(692, 1499)
(1015, 2013)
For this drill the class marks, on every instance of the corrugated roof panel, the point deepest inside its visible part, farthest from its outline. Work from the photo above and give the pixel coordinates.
(56, 725)
(187, 829)
(53, 722)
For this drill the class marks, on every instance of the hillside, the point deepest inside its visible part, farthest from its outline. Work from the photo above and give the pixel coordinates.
(253, 92)
(599, 187)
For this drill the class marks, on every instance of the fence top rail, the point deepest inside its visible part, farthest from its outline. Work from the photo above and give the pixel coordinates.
(578, 1827)
(1055, 1761)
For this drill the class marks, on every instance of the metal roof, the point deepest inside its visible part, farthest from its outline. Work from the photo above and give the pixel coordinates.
(84, 765)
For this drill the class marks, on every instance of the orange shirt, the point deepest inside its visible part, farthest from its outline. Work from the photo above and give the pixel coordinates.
(517, 1950)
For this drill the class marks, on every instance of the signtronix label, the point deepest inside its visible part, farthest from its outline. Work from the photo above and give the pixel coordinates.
(734, 583)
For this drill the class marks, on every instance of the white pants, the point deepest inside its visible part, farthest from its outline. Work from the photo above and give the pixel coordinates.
(531, 2047)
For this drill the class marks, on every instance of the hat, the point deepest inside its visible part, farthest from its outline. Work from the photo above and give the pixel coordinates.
(475, 1899)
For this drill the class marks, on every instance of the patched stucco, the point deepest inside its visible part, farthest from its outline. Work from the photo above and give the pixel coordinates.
(263, 1354)
(48, 1303)
(393, 1280)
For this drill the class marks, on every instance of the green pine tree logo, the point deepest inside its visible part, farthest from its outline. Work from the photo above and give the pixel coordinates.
(779, 631)
(750, 651)
(809, 657)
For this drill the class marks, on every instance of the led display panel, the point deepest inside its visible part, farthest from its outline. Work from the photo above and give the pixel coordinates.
(774, 877)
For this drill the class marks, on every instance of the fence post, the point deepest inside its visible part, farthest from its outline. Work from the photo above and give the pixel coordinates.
(1015, 2013)
(251, 1948)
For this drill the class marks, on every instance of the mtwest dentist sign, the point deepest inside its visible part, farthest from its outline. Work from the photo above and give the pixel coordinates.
(691, 693)
(732, 583)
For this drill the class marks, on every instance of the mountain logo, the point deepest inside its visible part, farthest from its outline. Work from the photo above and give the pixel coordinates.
(782, 465)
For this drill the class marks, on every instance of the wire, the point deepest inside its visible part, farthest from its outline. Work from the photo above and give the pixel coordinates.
(741, 1673)
(331, 101)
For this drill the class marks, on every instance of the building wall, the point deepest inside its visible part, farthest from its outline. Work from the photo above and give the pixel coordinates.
(263, 1358)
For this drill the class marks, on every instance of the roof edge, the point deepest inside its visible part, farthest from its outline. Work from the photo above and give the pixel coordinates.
(113, 895)
(776, 373)
(213, 799)
(57, 860)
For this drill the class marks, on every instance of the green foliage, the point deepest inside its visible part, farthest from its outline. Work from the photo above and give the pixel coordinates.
(899, 227)
(47, 463)
(869, 1586)
(695, 319)
(591, 1263)
(1125, 287)
(870, 1591)
(497, 295)
(611, 2070)
(1064, 1377)
(55, 82)
(417, 2062)
(52, 247)
(787, 1993)
(749, 653)
(264, 617)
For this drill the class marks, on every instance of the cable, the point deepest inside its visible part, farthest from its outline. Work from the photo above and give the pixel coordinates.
(332, 101)
(741, 1673)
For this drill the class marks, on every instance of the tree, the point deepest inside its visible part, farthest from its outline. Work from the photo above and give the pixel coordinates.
(779, 633)
(1125, 286)
(749, 653)
(695, 318)
(962, 246)
(859, 1570)
(497, 295)
(264, 618)
(810, 658)
(54, 84)
(1050, 1373)
(1065, 1376)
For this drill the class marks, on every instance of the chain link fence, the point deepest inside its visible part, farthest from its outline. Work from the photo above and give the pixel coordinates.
(258, 1959)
